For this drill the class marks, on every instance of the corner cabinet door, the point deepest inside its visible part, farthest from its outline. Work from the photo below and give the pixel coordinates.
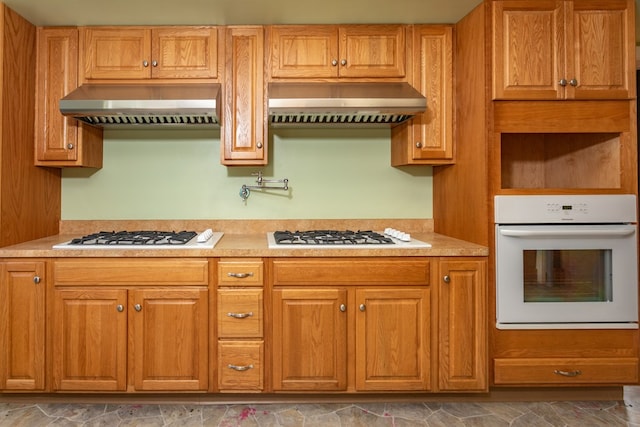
(309, 339)
(528, 49)
(170, 339)
(245, 123)
(90, 339)
(601, 61)
(61, 141)
(22, 325)
(393, 339)
(428, 137)
(462, 317)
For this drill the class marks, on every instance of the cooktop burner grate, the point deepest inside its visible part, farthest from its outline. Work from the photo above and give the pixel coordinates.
(331, 237)
(136, 238)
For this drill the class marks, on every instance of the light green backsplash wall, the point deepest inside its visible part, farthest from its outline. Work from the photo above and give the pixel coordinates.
(170, 174)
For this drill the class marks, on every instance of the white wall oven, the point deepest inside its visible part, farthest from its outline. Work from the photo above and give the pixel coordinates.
(566, 262)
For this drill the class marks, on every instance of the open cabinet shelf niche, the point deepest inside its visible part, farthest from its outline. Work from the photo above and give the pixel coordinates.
(567, 161)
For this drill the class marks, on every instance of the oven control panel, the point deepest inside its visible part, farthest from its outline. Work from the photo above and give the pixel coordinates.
(550, 209)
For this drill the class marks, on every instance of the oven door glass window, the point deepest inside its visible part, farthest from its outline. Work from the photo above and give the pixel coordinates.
(567, 275)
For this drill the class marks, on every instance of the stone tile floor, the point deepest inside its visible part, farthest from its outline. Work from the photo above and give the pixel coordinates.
(449, 414)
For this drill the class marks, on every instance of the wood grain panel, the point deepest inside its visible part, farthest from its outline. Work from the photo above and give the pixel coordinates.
(29, 196)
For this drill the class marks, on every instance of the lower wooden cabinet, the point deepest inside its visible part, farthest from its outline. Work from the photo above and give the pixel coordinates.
(22, 325)
(240, 300)
(351, 325)
(566, 371)
(462, 324)
(116, 336)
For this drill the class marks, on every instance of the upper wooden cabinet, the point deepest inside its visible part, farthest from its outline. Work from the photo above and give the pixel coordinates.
(557, 49)
(329, 51)
(144, 52)
(61, 141)
(428, 138)
(244, 135)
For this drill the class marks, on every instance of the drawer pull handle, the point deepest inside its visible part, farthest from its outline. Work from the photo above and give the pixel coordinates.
(240, 275)
(240, 315)
(568, 373)
(240, 368)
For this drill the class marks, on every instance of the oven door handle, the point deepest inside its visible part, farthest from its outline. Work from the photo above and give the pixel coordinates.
(621, 232)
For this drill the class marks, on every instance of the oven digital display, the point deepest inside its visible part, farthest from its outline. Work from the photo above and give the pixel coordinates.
(567, 207)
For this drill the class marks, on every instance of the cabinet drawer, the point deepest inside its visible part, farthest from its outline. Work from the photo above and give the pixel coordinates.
(124, 271)
(566, 371)
(351, 271)
(240, 365)
(240, 272)
(240, 313)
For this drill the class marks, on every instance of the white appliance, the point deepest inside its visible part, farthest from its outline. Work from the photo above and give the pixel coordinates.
(566, 262)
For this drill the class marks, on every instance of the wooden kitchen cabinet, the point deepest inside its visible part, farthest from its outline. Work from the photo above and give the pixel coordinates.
(428, 137)
(351, 325)
(61, 141)
(561, 49)
(462, 324)
(240, 306)
(330, 51)
(130, 325)
(22, 325)
(245, 126)
(149, 52)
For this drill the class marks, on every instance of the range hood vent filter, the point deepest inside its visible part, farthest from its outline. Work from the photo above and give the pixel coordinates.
(337, 119)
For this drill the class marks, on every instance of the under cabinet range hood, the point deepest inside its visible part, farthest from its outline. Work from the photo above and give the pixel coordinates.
(343, 104)
(144, 105)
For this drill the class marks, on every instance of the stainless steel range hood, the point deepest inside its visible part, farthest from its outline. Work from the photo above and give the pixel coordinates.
(147, 105)
(343, 104)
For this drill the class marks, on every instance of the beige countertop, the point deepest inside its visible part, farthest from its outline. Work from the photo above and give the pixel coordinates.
(244, 239)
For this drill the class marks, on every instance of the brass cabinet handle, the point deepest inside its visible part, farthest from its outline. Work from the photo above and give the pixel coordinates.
(120, 308)
(562, 82)
(573, 82)
(567, 373)
(240, 368)
(240, 315)
(259, 145)
(343, 308)
(362, 307)
(334, 62)
(36, 279)
(446, 279)
(145, 63)
(343, 62)
(240, 275)
(137, 307)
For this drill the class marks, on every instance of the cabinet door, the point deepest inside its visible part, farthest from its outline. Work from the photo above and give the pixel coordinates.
(116, 53)
(528, 49)
(59, 140)
(462, 316)
(372, 51)
(309, 339)
(90, 339)
(603, 48)
(245, 124)
(170, 339)
(184, 52)
(304, 51)
(393, 339)
(428, 137)
(22, 320)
